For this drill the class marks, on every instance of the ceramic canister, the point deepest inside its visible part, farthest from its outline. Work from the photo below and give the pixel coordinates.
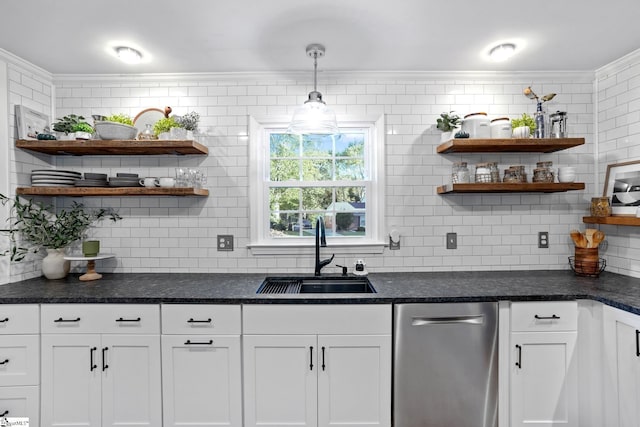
(477, 125)
(501, 127)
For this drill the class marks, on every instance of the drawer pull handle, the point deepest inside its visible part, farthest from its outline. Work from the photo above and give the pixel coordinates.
(104, 358)
(323, 365)
(552, 317)
(189, 342)
(5, 413)
(4, 362)
(192, 320)
(5, 320)
(128, 320)
(92, 365)
(311, 358)
(61, 320)
(637, 343)
(519, 362)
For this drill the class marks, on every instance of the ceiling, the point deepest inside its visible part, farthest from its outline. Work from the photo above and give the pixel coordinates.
(74, 36)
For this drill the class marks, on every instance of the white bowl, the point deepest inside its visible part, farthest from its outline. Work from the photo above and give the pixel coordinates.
(567, 170)
(566, 178)
(113, 130)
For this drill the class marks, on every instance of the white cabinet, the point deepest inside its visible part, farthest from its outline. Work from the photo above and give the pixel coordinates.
(543, 365)
(20, 362)
(622, 362)
(201, 365)
(101, 365)
(317, 365)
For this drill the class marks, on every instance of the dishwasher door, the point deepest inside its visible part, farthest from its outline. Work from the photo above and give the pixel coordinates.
(445, 365)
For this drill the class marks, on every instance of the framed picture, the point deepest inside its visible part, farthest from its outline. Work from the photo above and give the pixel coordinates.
(30, 122)
(622, 186)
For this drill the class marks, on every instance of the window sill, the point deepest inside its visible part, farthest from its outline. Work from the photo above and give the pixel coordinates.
(306, 249)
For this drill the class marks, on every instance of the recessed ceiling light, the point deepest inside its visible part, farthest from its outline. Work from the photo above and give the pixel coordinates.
(502, 52)
(128, 55)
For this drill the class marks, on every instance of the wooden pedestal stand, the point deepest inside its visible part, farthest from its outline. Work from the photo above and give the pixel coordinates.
(91, 273)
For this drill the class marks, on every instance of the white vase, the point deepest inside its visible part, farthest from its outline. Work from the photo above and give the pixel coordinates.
(445, 136)
(54, 266)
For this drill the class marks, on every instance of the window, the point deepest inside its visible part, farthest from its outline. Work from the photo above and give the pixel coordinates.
(297, 179)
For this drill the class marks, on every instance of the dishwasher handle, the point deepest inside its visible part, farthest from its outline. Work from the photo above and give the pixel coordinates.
(447, 320)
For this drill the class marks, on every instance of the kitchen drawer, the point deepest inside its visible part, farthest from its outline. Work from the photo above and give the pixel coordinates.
(21, 402)
(19, 360)
(544, 316)
(19, 319)
(100, 318)
(193, 319)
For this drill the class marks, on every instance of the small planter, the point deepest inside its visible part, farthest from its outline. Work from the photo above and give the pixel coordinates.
(522, 132)
(446, 136)
(54, 266)
(90, 248)
(83, 135)
(62, 136)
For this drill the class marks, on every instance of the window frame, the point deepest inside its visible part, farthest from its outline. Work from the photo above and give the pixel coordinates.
(260, 244)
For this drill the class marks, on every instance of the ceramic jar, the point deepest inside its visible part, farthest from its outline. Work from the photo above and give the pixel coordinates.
(54, 266)
(501, 128)
(477, 125)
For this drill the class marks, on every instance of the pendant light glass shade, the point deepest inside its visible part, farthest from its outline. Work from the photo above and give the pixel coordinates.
(314, 117)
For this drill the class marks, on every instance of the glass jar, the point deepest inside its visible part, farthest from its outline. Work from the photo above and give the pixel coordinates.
(147, 134)
(483, 173)
(600, 206)
(460, 173)
(511, 176)
(495, 172)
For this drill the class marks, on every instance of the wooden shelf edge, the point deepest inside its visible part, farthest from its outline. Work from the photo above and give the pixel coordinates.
(497, 145)
(110, 191)
(536, 187)
(612, 220)
(113, 147)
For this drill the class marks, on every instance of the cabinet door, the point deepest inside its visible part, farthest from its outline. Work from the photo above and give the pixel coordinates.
(131, 385)
(354, 380)
(201, 380)
(622, 358)
(70, 387)
(19, 360)
(544, 379)
(280, 380)
(20, 402)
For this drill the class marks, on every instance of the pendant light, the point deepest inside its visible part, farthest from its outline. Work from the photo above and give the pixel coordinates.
(314, 117)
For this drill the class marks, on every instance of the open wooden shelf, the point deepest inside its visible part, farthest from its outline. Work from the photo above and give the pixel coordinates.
(521, 145)
(113, 147)
(498, 187)
(110, 191)
(612, 220)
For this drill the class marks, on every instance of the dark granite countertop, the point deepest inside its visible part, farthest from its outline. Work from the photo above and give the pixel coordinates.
(202, 288)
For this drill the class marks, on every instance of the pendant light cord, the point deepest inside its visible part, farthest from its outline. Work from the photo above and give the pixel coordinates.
(315, 71)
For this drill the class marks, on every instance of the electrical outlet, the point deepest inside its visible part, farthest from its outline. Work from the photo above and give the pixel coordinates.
(543, 240)
(452, 241)
(394, 246)
(225, 242)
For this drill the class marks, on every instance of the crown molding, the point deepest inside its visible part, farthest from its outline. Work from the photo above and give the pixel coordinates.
(619, 64)
(12, 59)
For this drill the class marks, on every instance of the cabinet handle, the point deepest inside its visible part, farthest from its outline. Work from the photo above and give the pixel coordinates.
(128, 320)
(61, 320)
(92, 365)
(519, 362)
(4, 362)
(189, 342)
(199, 321)
(637, 343)
(552, 317)
(323, 365)
(104, 358)
(5, 413)
(311, 358)
(6, 319)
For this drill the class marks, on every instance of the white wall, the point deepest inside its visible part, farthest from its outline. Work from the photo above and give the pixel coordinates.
(618, 101)
(495, 232)
(20, 84)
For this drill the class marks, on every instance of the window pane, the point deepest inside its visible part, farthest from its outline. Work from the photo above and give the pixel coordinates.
(350, 169)
(317, 170)
(349, 224)
(352, 195)
(315, 199)
(284, 199)
(284, 145)
(350, 145)
(317, 146)
(284, 170)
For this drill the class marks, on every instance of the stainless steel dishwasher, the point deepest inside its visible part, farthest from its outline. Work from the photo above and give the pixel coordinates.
(445, 365)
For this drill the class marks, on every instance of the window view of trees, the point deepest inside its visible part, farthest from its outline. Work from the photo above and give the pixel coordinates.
(313, 176)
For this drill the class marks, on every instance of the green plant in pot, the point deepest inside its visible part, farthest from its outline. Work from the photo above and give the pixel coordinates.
(82, 130)
(447, 123)
(33, 226)
(120, 118)
(66, 125)
(520, 122)
(189, 121)
(165, 125)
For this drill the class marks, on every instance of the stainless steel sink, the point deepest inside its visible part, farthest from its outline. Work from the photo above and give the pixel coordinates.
(316, 285)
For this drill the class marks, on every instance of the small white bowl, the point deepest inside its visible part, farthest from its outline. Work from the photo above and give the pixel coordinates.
(566, 178)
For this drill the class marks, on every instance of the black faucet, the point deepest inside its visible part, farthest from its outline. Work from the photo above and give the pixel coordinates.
(321, 240)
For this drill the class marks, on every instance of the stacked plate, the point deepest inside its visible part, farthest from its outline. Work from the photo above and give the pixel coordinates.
(93, 180)
(54, 178)
(125, 180)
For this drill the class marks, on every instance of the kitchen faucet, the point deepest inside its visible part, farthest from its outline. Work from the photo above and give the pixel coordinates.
(321, 241)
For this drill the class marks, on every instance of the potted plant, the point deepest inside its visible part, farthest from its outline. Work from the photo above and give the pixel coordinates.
(120, 118)
(447, 123)
(523, 127)
(189, 122)
(64, 127)
(163, 127)
(116, 126)
(33, 227)
(82, 130)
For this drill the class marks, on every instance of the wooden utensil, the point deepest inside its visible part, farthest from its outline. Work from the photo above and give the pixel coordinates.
(588, 233)
(598, 237)
(578, 238)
